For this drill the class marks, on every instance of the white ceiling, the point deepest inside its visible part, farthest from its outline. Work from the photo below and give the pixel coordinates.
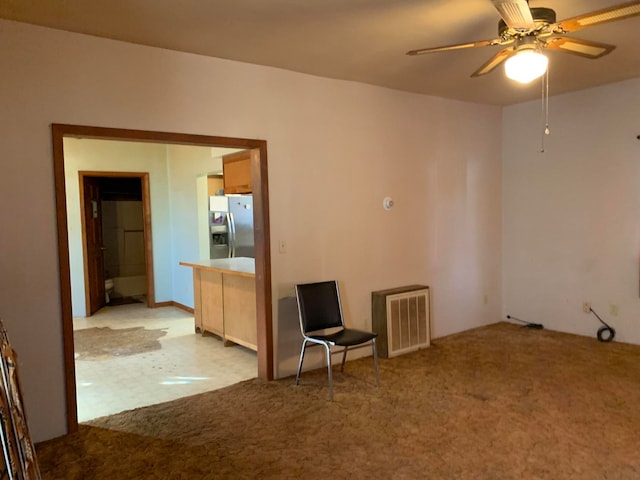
(359, 40)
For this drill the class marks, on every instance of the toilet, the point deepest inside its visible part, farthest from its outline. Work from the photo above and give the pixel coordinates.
(108, 288)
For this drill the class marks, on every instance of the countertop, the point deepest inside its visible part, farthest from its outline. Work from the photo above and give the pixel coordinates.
(242, 266)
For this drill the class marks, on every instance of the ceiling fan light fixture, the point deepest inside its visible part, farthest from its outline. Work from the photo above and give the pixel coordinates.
(526, 65)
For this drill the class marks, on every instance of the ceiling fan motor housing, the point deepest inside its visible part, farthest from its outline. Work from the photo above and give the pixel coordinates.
(541, 16)
(525, 32)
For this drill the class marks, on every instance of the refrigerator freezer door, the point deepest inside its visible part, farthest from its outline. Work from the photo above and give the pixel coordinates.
(232, 235)
(241, 213)
(219, 228)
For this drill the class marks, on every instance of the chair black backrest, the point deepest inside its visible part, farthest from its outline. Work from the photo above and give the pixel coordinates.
(319, 305)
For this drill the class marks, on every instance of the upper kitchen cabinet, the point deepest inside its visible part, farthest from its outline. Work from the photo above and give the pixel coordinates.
(215, 183)
(237, 172)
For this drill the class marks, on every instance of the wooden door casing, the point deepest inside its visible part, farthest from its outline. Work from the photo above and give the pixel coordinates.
(259, 180)
(93, 245)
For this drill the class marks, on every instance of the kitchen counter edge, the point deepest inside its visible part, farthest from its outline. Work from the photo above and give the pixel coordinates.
(241, 266)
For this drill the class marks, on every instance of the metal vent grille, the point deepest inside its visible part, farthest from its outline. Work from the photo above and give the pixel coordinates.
(408, 321)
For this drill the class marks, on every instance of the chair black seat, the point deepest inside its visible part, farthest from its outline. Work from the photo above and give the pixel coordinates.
(320, 309)
(347, 337)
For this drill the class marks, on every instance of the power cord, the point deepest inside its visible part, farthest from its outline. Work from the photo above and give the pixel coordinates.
(606, 332)
(535, 326)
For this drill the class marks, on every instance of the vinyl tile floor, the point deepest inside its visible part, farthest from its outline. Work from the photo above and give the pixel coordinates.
(185, 364)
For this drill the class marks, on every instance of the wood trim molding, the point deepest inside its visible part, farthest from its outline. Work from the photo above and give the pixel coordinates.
(263, 257)
(65, 279)
(177, 305)
(262, 236)
(148, 239)
(146, 214)
(83, 227)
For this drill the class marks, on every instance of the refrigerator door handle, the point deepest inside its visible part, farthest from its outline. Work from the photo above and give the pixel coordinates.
(232, 235)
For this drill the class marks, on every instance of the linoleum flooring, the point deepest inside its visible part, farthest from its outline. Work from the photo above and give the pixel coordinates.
(131, 356)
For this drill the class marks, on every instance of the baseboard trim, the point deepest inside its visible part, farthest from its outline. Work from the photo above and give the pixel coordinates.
(171, 303)
(162, 304)
(181, 306)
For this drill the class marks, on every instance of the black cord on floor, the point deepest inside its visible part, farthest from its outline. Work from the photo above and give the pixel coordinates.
(605, 333)
(535, 326)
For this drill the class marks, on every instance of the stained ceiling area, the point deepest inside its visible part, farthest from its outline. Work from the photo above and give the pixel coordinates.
(356, 40)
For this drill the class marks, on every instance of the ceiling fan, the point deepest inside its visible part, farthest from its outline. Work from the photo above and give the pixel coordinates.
(528, 31)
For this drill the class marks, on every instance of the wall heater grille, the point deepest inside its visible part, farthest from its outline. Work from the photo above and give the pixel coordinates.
(401, 319)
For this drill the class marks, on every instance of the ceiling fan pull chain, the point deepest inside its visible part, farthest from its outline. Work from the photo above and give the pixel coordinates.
(544, 109)
(546, 101)
(542, 115)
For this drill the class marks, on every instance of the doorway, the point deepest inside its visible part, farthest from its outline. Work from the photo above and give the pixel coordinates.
(116, 238)
(261, 222)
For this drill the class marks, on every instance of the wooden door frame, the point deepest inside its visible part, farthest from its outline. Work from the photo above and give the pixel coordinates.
(261, 233)
(146, 228)
(94, 288)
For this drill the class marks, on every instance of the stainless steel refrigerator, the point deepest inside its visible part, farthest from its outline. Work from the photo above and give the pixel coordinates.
(218, 227)
(231, 225)
(240, 220)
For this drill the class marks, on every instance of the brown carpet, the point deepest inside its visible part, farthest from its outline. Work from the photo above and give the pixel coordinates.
(499, 402)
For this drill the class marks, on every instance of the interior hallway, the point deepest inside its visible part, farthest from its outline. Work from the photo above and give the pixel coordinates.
(131, 356)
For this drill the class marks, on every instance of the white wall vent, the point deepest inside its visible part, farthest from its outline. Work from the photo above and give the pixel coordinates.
(400, 317)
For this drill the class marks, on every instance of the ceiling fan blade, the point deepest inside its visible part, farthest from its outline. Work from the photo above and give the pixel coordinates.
(494, 61)
(611, 14)
(480, 43)
(515, 13)
(584, 48)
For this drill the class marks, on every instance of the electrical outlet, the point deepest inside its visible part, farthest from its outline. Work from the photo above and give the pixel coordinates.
(486, 299)
(586, 307)
(613, 309)
(282, 246)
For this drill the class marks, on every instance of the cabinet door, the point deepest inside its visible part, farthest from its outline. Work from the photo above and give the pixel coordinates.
(211, 301)
(197, 300)
(240, 324)
(237, 172)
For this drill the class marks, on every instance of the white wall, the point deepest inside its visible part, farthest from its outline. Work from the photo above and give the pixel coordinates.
(111, 156)
(185, 164)
(468, 253)
(335, 148)
(572, 214)
(204, 231)
(173, 170)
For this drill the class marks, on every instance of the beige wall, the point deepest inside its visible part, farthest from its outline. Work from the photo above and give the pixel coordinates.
(572, 214)
(111, 156)
(335, 148)
(185, 163)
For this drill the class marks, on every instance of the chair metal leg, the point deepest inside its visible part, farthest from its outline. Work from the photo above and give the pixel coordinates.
(329, 371)
(304, 347)
(344, 358)
(375, 361)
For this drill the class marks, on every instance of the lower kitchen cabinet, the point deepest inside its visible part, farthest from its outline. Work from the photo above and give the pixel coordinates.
(225, 300)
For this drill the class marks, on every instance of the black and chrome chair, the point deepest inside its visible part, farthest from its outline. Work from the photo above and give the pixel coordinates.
(321, 323)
